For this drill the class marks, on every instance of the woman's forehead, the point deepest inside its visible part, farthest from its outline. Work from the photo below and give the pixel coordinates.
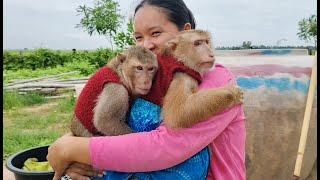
(149, 17)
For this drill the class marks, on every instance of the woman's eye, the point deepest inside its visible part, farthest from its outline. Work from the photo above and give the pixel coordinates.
(151, 69)
(138, 38)
(155, 34)
(139, 68)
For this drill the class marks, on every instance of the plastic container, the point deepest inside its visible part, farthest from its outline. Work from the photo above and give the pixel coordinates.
(15, 164)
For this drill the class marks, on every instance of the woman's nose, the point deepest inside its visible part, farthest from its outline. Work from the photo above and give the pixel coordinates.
(148, 44)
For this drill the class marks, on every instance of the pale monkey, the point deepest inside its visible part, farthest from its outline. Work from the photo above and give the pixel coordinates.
(184, 105)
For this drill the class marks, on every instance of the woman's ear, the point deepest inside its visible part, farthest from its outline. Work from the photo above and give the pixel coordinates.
(187, 26)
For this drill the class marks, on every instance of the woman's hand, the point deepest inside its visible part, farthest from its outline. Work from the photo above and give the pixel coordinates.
(79, 171)
(66, 150)
(58, 156)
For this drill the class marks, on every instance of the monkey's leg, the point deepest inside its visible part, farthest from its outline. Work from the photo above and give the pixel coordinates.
(111, 109)
(184, 106)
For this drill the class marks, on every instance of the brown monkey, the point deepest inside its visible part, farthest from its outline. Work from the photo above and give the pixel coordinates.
(183, 104)
(104, 101)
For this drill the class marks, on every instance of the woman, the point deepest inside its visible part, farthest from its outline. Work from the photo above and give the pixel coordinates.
(156, 22)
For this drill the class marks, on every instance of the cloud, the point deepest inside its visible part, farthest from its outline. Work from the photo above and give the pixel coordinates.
(28, 23)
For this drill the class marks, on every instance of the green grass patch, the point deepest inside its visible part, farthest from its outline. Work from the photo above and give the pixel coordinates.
(83, 68)
(66, 105)
(15, 100)
(16, 140)
(31, 126)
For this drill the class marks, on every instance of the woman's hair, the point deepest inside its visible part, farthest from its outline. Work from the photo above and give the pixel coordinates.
(176, 10)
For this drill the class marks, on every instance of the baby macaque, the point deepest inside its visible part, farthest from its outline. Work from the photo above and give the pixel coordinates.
(103, 104)
(183, 104)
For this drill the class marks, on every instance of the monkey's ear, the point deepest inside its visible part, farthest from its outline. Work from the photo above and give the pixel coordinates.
(172, 44)
(121, 58)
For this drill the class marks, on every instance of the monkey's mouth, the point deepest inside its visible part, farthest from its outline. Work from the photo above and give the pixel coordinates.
(208, 63)
(143, 90)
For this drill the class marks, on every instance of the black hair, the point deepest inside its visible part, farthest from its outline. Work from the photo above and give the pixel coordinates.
(176, 10)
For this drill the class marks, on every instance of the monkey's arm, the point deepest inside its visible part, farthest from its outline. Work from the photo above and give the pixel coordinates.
(78, 129)
(184, 105)
(111, 109)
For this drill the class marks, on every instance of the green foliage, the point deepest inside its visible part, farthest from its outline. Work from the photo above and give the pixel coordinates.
(22, 74)
(246, 45)
(104, 18)
(40, 58)
(15, 100)
(124, 39)
(49, 59)
(101, 56)
(308, 29)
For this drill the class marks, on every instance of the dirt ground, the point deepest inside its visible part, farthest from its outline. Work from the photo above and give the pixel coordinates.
(7, 175)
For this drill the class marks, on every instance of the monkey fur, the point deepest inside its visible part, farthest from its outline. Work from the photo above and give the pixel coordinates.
(183, 104)
(135, 69)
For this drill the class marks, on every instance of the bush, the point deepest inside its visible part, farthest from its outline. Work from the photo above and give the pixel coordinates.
(84, 67)
(45, 58)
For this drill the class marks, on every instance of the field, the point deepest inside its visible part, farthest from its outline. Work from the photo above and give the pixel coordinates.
(31, 121)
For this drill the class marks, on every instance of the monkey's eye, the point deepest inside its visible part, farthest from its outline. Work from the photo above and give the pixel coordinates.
(139, 68)
(197, 43)
(151, 69)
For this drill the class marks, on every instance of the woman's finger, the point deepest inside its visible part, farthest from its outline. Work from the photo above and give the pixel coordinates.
(82, 166)
(76, 176)
(80, 171)
(83, 169)
(57, 175)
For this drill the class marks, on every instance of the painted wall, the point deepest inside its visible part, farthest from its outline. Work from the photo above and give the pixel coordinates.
(262, 52)
(275, 96)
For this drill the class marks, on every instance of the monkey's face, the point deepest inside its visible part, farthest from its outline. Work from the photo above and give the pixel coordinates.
(203, 54)
(194, 49)
(140, 75)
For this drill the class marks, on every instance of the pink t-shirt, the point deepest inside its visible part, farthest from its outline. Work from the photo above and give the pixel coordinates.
(163, 148)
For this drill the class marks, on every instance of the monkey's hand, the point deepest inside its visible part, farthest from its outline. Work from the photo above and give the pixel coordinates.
(236, 92)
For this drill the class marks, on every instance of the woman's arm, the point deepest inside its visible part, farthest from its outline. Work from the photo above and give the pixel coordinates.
(158, 149)
(138, 152)
(148, 151)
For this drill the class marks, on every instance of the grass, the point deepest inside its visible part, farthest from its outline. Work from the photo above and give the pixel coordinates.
(83, 69)
(31, 124)
(15, 100)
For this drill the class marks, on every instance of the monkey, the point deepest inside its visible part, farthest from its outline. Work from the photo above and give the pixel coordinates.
(103, 103)
(183, 104)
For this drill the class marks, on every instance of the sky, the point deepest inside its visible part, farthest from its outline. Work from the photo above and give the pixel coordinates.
(51, 23)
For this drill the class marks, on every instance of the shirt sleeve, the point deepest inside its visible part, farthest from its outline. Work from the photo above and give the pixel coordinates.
(158, 149)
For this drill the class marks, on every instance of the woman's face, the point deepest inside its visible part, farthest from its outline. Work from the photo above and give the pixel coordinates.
(152, 29)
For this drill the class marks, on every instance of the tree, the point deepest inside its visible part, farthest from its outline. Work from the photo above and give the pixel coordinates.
(104, 18)
(123, 39)
(246, 45)
(308, 29)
